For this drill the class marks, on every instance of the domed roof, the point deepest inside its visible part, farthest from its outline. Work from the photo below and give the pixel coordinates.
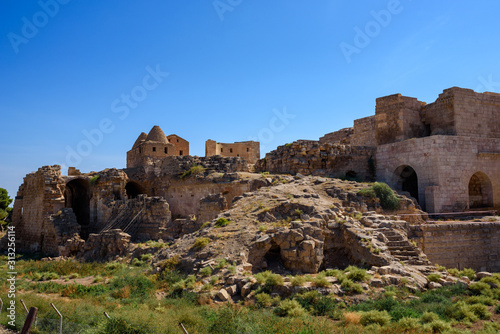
(157, 135)
(142, 137)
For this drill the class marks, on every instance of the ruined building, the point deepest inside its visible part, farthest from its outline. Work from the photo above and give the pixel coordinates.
(446, 154)
(249, 150)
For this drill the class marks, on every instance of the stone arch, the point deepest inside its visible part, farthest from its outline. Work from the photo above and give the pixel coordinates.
(134, 189)
(406, 179)
(273, 258)
(77, 196)
(480, 191)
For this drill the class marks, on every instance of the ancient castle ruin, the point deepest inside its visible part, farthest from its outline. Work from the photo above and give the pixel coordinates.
(445, 154)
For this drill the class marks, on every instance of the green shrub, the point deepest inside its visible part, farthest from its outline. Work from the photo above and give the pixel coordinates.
(146, 257)
(485, 300)
(437, 326)
(387, 197)
(481, 311)
(409, 324)
(381, 318)
(468, 272)
(263, 299)
(324, 306)
(205, 224)
(222, 263)
(94, 179)
(221, 222)
(480, 288)
(333, 272)
(428, 317)
(290, 308)
(321, 282)
(462, 312)
(298, 280)
(497, 309)
(136, 262)
(200, 243)
(454, 271)
(357, 274)
(207, 271)
(195, 169)
(434, 277)
(492, 281)
(349, 286)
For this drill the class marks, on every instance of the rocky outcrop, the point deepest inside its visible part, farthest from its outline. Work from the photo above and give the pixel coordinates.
(105, 246)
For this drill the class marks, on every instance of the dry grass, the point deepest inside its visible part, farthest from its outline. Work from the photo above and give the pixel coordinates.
(352, 318)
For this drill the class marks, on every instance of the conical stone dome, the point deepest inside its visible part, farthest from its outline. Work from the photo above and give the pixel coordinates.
(142, 137)
(156, 134)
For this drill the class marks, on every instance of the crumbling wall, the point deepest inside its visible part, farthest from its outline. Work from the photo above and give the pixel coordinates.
(460, 245)
(210, 207)
(40, 195)
(342, 136)
(249, 150)
(310, 157)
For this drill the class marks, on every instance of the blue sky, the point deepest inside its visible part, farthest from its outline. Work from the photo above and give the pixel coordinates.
(67, 68)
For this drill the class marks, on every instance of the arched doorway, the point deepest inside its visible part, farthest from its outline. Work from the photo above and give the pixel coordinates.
(480, 191)
(134, 189)
(407, 180)
(77, 197)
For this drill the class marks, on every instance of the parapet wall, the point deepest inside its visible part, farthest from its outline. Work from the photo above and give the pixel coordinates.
(249, 150)
(460, 245)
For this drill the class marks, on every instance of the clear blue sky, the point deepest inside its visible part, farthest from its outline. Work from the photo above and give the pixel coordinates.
(232, 65)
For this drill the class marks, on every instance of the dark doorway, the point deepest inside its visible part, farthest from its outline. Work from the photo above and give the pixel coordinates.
(77, 197)
(273, 259)
(480, 191)
(407, 180)
(134, 189)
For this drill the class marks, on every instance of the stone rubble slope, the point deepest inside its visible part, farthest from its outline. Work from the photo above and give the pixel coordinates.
(303, 225)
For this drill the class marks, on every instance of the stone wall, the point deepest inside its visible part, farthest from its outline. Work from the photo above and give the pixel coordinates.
(248, 150)
(310, 157)
(397, 118)
(460, 245)
(364, 132)
(181, 145)
(444, 166)
(342, 136)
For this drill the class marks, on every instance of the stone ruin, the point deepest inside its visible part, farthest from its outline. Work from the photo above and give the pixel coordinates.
(445, 154)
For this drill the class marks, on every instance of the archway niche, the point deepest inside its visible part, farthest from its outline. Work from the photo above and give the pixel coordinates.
(134, 189)
(406, 179)
(77, 197)
(273, 258)
(480, 191)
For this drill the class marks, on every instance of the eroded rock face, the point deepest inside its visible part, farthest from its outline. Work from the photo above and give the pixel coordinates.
(105, 246)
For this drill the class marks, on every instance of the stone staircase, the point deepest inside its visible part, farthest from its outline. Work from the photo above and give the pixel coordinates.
(402, 249)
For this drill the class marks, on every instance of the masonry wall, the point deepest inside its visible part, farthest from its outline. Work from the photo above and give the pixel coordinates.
(146, 151)
(397, 118)
(476, 114)
(342, 136)
(181, 146)
(248, 150)
(439, 116)
(364, 132)
(460, 245)
(444, 166)
(310, 157)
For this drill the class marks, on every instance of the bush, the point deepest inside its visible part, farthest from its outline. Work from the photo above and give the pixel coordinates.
(387, 197)
(221, 263)
(454, 271)
(146, 257)
(349, 286)
(434, 277)
(428, 317)
(263, 299)
(195, 169)
(497, 309)
(409, 324)
(480, 300)
(480, 288)
(269, 279)
(437, 326)
(357, 274)
(324, 306)
(136, 262)
(375, 317)
(481, 311)
(321, 281)
(221, 222)
(468, 272)
(207, 271)
(353, 318)
(290, 308)
(298, 280)
(200, 243)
